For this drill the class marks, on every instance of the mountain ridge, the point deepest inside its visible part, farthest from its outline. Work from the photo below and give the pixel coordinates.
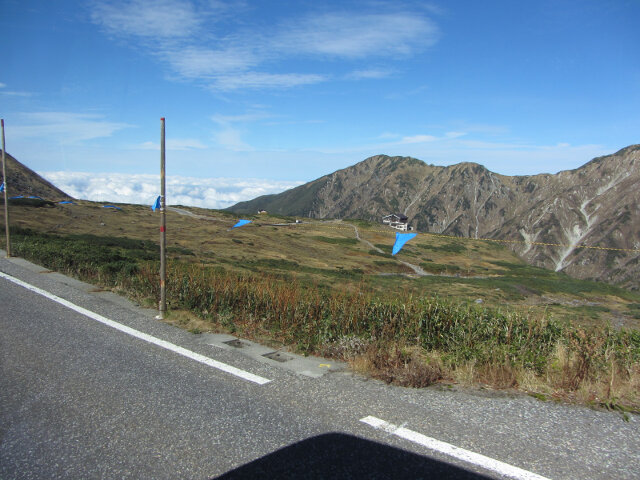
(24, 181)
(596, 204)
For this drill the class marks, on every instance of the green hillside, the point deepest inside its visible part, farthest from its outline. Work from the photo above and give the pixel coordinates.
(327, 254)
(478, 314)
(296, 201)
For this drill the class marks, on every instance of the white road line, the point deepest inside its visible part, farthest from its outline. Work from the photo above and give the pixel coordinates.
(453, 451)
(141, 335)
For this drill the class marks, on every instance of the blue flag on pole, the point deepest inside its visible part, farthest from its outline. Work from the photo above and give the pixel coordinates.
(401, 239)
(156, 204)
(241, 223)
(2, 187)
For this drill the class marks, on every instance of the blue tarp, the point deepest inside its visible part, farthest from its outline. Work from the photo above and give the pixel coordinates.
(241, 223)
(156, 205)
(401, 239)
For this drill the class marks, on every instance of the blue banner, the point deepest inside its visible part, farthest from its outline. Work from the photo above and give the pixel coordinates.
(241, 223)
(401, 239)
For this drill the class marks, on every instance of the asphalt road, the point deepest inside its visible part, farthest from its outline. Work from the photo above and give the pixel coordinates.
(81, 399)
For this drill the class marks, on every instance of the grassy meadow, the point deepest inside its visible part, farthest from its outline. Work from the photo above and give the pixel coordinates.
(483, 316)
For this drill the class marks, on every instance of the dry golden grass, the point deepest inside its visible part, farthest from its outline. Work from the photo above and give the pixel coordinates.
(401, 365)
(190, 321)
(282, 285)
(306, 251)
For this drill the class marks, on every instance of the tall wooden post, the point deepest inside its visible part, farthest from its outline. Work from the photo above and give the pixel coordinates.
(163, 227)
(6, 194)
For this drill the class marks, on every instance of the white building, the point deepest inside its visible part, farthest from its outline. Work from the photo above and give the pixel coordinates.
(397, 221)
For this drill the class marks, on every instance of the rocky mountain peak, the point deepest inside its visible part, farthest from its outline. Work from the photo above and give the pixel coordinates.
(597, 204)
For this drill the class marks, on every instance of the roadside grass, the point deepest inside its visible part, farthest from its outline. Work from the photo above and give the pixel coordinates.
(328, 255)
(402, 339)
(634, 309)
(85, 255)
(481, 270)
(312, 287)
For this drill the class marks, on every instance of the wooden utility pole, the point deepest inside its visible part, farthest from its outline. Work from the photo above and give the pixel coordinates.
(6, 195)
(163, 227)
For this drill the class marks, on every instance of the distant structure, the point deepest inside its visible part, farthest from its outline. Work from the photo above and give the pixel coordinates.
(397, 221)
(262, 211)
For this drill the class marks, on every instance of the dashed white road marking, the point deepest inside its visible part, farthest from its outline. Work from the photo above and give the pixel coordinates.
(452, 451)
(141, 335)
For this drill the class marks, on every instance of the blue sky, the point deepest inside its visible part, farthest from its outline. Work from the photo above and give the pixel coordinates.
(262, 95)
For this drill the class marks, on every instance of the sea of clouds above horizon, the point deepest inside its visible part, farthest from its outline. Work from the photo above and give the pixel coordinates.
(143, 189)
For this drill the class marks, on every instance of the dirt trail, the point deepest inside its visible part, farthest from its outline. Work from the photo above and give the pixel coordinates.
(187, 213)
(418, 271)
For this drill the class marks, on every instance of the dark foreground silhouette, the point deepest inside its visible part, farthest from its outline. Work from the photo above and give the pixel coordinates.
(342, 456)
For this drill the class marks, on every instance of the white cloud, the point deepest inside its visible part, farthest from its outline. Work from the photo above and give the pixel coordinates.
(148, 18)
(144, 188)
(198, 62)
(64, 127)
(9, 93)
(455, 134)
(16, 94)
(260, 80)
(368, 74)
(395, 139)
(231, 139)
(350, 35)
(418, 139)
(181, 33)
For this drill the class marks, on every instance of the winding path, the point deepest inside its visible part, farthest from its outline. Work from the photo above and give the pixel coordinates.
(418, 271)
